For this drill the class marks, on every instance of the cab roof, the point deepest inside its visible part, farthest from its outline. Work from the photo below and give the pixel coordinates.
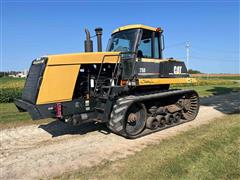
(134, 26)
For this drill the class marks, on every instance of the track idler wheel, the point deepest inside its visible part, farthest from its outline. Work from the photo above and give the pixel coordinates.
(177, 117)
(169, 119)
(190, 106)
(152, 123)
(162, 120)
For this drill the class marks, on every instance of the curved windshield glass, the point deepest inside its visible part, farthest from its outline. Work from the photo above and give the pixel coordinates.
(123, 41)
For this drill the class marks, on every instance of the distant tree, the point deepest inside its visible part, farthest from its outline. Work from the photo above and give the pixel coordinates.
(7, 73)
(1, 74)
(191, 71)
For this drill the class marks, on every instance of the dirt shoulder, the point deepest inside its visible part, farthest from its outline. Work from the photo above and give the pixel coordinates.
(48, 150)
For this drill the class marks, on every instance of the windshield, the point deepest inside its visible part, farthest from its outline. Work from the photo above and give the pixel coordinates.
(123, 41)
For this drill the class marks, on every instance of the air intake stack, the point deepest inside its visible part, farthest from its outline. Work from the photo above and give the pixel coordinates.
(99, 38)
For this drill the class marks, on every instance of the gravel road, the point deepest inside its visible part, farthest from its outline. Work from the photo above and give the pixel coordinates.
(44, 151)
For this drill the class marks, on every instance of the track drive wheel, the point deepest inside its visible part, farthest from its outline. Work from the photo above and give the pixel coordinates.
(135, 119)
(127, 119)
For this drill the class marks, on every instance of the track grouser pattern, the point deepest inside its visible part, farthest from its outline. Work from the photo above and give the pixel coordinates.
(137, 115)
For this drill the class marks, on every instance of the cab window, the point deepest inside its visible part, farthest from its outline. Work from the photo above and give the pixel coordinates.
(144, 49)
(156, 46)
(149, 45)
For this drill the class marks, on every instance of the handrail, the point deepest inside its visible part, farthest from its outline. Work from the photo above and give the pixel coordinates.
(100, 70)
(116, 68)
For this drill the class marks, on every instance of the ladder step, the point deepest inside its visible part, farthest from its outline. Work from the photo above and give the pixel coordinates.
(105, 87)
(100, 109)
(103, 98)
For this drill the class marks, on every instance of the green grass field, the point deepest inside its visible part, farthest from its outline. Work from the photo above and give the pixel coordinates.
(210, 151)
(10, 82)
(221, 77)
(10, 117)
(210, 90)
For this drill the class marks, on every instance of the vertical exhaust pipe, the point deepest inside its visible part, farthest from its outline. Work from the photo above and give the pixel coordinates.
(99, 38)
(88, 44)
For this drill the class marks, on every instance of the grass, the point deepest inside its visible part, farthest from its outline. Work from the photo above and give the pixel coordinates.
(210, 81)
(10, 82)
(220, 77)
(210, 151)
(10, 117)
(210, 90)
(211, 86)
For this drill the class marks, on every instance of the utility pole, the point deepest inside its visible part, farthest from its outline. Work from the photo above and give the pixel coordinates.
(187, 53)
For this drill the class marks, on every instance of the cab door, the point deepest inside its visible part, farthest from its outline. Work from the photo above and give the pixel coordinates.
(149, 45)
(148, 55)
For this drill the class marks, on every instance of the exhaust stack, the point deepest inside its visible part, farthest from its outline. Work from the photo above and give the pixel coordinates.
(99, 38)
(88, 44)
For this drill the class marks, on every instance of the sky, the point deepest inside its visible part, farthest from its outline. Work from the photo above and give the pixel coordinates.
(31, 29)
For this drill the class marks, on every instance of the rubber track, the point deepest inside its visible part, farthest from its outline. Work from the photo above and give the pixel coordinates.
(116, 122)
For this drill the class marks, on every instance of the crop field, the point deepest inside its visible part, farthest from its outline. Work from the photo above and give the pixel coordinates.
(10, 88)
(10, 82)
(218, 76)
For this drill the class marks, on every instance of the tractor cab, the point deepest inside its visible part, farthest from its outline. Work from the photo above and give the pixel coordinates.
(144, 41)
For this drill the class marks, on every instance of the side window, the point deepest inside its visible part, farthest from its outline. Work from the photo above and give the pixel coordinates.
(144, 49)
(156, 46)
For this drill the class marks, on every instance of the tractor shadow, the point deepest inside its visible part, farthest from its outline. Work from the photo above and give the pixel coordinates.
(57, 128)
(228, 103)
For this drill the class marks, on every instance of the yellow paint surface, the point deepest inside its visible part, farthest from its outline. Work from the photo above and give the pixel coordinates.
(134, 26)
(156, 81)
(58, 84)
(83, 58)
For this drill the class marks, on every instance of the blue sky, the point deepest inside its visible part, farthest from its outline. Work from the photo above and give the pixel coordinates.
(31, 29)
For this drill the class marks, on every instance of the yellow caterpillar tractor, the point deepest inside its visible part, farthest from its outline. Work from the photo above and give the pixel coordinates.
(126, 87)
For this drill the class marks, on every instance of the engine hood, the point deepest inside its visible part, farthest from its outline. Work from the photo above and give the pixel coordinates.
(83, 58)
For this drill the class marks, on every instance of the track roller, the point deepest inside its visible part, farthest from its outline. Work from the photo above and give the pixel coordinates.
(162, 120)
(177, 117)
(169, 119)
(152, 123)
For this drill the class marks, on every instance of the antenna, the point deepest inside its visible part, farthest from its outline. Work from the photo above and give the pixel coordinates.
(187, 53)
